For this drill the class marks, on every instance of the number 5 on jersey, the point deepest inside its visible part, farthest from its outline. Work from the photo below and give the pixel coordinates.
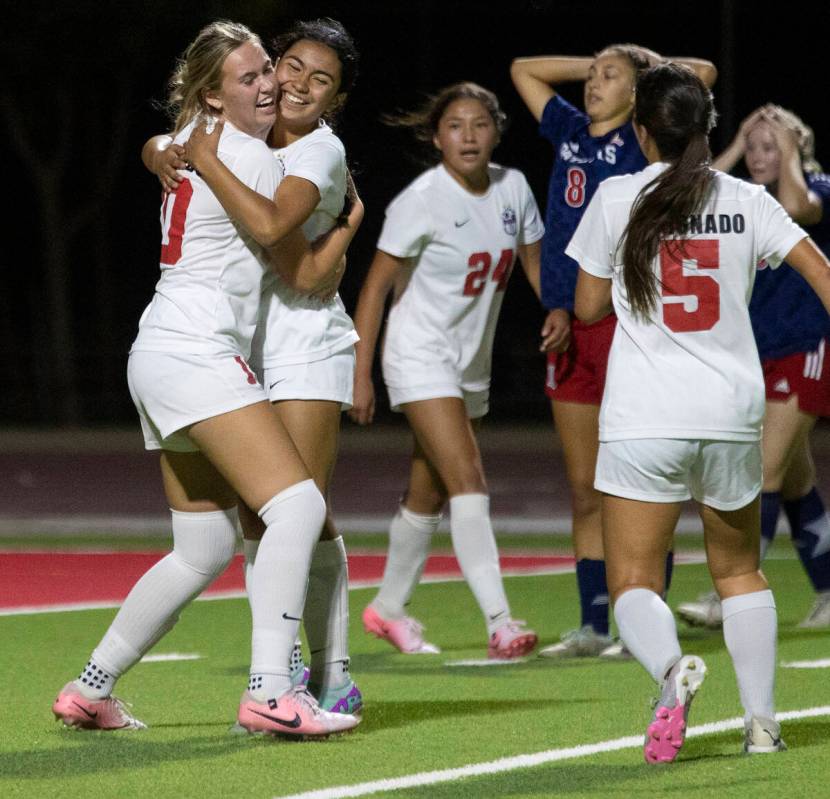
(691, 300)
(173, 215)
(480, 263)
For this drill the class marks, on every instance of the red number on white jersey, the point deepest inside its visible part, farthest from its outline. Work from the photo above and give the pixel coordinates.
(575, 190)
(480, 263)
(501, 274)
(691, 301)
(173, 214)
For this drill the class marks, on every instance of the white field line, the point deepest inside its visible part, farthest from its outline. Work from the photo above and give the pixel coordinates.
(528, 761)
(166, 657)
(806, 664)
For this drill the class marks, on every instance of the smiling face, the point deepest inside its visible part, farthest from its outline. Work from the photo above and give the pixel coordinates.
(466, 138)
(308, 75)
(763, 157)
(247, 95)
(609, 90)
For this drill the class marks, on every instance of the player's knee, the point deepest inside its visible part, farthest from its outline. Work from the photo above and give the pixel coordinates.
(205, 542)
(773, 474)
(585, 499)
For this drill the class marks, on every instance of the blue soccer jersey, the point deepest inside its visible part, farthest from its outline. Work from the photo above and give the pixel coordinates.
(582, 162)
(787, 315)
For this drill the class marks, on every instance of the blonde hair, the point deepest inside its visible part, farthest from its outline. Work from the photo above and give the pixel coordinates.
(199, 70)
(804, 135)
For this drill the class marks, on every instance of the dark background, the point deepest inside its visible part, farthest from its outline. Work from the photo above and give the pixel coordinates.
(80, 225)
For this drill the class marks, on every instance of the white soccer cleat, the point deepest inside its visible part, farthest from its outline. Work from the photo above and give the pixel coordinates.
(617, 651)
(819, 616)
(763, 737)
(582, 643)
(706, 612)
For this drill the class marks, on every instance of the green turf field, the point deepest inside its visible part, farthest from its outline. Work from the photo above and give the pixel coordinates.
(421, 715)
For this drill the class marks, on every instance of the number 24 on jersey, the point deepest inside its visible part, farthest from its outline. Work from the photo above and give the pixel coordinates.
(480, 264)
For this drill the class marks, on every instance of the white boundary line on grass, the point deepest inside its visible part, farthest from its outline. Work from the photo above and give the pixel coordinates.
(528, 761)
(824, 663)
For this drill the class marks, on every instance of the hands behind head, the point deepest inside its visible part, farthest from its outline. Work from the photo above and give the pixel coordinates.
(203, 141)
(772, 115)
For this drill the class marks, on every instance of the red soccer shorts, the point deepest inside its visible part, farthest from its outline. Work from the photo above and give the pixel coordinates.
(578, 374)
(802, 374)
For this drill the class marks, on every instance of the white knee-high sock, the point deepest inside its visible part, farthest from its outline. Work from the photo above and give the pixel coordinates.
(279, 578)
(203, 545)
(327, 615)
(475, 548)
(750, 630)
(647, 628)
(410, 535)
(250, 546)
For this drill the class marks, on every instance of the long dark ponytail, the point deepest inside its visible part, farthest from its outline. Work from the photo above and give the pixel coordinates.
(676, 109)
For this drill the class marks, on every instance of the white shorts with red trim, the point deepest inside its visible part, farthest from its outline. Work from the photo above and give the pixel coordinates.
(172, 391)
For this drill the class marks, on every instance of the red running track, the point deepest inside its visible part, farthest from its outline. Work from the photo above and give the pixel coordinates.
(43, 579)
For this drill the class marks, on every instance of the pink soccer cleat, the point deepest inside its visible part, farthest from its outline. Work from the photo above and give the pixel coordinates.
(295, 714)
(510, 641)
(667, 731)
(404, 634)
(75, 710)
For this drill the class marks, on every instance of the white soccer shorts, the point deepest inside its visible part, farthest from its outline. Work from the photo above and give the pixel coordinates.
(330, 378)
(172, 391)
(725, 475)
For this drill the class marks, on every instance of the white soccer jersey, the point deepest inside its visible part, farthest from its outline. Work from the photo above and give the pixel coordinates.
(692, 370)
(207, 299)
(461, 249)
(294, 328)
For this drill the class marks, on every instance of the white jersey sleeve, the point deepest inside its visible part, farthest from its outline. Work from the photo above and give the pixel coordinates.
(776, 232)
(532, 228)
(408, 226)
(591, 245)
(321, 165)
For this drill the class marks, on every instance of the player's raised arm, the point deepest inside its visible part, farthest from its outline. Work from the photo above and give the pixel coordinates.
(535, 77)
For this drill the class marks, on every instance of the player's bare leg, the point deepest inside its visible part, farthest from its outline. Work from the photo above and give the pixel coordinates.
(314, 428)
(410, 536)
(789, 482)
(750, 623)
(445, 433)
(254, 450)
(578, 427)
(637, 537)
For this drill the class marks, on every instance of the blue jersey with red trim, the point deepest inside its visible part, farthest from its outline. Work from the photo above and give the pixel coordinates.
(582, 162)
(786, 314)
